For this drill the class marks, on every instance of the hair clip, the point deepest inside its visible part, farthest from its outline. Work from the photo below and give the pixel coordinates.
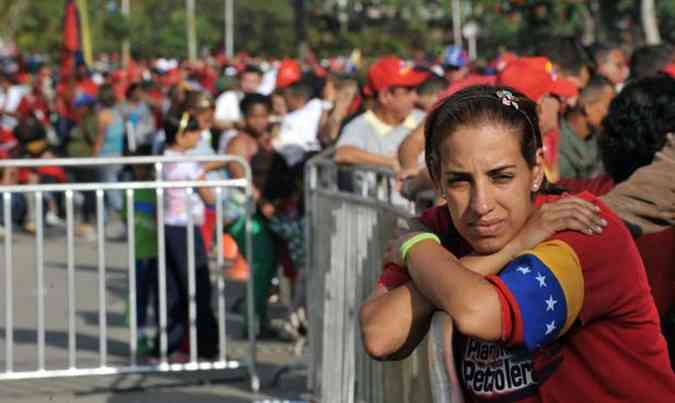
(507, 98)
(184, 120)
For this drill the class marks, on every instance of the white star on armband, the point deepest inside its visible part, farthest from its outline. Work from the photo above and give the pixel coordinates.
(541, 279)
(523, 269)
(550, 303)
(550, 327)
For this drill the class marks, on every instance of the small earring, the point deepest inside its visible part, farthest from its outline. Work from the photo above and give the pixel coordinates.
(535, 187)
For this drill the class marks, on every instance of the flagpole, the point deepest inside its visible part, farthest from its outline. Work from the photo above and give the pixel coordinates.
(86, 34)
(126, 46)
(190, 27)
(229, 28)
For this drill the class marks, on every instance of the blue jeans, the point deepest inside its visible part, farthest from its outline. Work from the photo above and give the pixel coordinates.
(18, 208)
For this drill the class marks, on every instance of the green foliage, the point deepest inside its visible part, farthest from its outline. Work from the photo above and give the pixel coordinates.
(117, 26)
(266, 27)
(666, 12)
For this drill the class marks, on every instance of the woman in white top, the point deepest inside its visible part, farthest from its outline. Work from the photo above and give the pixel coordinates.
(182, 135)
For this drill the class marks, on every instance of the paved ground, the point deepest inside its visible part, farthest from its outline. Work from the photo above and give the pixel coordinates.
(204, 387)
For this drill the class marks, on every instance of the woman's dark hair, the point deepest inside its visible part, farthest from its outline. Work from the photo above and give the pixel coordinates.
(477, 105)
(106, 96)
(178, 122)
(636, 125)
(254, 99)
(133, 87)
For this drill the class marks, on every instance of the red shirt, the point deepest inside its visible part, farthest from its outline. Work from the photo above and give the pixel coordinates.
(657, 250)
(578, 322)
(34, 104)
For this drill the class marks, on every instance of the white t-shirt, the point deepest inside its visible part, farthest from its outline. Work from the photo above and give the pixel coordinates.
(269, 82)
(227, 106)
(370, 134)
(9, 102)
(298, 134)
(175, 200)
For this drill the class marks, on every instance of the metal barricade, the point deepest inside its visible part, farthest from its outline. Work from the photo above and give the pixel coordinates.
(105, 367)
(346, 236)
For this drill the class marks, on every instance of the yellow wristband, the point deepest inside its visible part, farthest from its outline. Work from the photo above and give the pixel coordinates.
(407, 245)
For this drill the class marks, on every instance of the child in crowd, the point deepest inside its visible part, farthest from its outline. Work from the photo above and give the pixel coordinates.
(182, 135)
(145, 245)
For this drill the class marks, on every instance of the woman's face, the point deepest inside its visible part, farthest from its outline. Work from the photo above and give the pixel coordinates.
(488, 184)
(188, 139)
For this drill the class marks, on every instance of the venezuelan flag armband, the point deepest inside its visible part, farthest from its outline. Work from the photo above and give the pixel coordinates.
(541, 292)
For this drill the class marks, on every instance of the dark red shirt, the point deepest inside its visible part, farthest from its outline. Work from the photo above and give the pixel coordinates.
(578, 322)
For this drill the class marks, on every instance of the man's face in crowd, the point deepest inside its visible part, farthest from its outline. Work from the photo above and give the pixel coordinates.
(250, 82)
(279, 105)
(548, 109)
(615, 67)
(399, 101)
(257, 119)
(597, 110)
(453, 74)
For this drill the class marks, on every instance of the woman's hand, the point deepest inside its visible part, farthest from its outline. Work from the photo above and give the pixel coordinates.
(568, 213)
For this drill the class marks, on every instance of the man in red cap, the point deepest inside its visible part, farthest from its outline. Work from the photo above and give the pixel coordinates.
(373, 137)
(536, 78)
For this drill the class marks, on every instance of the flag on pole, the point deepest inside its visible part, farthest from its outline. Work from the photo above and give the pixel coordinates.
(71, 50)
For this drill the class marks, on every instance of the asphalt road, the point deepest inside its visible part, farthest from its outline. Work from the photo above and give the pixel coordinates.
(204, 387)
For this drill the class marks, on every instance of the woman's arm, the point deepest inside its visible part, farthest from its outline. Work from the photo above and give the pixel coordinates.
(102, 122)
(411, 148)
(394, 322)
(207, 195)
(470, 300)
(237, 146)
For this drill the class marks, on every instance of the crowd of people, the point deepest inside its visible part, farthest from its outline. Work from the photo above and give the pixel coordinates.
(603, 113)
(549, 242)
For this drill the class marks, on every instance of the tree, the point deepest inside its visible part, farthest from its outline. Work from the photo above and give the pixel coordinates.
(649, 24)
(263, 27)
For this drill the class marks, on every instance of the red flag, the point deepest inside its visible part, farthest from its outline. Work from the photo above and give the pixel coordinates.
(71, 38)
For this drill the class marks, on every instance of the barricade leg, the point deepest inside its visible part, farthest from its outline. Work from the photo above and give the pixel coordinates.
(9, 283)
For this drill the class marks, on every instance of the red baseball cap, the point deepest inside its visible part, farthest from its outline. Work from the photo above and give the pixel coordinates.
(391, 71)
(289, 72)
(535, 77)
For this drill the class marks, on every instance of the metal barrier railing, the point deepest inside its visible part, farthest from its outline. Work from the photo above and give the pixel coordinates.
(104, 366)
(346, 236)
